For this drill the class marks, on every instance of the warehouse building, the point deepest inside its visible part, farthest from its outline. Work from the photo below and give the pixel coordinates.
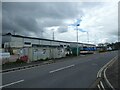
(38, 48)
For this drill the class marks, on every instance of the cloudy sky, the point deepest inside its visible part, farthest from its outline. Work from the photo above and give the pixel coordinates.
(41, 19)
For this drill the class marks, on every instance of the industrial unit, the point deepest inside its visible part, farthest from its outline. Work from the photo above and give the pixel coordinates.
(39, 48)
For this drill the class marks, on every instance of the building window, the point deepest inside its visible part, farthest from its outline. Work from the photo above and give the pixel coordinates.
(27, 43)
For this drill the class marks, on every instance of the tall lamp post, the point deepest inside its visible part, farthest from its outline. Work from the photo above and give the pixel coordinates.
(77, 37)
(77, 24)
(88, 37)
(53, 44)
(53, 37)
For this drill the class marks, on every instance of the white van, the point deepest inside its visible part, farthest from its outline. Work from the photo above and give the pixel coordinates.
(4, 56)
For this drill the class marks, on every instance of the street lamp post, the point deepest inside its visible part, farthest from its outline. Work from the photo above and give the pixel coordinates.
(88, 37)
(53, 35)
(53, 38)
(53, 44)
(77, 39)
(77, 23)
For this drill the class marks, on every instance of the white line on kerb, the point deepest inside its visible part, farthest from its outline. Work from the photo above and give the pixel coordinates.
(107, 79)
(11, 83)
(98, 86)
(61, 68)
(102, 85)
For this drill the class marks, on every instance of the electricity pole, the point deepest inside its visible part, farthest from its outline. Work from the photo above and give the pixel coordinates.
(13, 32)
(53, 35)
(88, 37)
(53, 53)
(77, 39)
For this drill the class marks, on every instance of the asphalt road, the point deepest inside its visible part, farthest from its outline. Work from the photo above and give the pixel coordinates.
(78, 72)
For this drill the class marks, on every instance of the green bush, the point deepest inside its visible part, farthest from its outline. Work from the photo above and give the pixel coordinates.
(42, 59)
(47, 59)
(19, 61)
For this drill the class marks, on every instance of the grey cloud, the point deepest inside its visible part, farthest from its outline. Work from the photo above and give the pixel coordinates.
(114, 32)
(91, 4)
(34, 17)
(62, 29)
(27, 23)
(49, 22)
(22, 16)
(52, 10)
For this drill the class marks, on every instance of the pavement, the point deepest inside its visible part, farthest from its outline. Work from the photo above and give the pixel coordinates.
(39, 62)
(76, 72)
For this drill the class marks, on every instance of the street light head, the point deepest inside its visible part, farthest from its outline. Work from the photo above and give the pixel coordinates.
(78, 25)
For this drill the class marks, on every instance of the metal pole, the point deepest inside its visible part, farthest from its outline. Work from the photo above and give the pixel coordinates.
(88, 36)
(13, 32)
(77, 40)
(41, 35)
(53, 48)
(53, 34)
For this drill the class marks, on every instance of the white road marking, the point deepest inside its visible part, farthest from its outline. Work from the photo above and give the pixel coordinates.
(105, 68)
(102, 85)
(11, 83)
(107, 79)
(98, 86)
(100, 71)
(61, 68)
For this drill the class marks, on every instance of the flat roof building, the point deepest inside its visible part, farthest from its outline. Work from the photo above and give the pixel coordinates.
(39, 48)
(24, 41)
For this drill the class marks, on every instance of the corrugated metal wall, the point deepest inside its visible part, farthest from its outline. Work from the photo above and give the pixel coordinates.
(44, 49)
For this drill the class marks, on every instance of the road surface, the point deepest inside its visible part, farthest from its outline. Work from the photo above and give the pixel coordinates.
(77, 72)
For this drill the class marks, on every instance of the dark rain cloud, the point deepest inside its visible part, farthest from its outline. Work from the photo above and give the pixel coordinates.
(25, 17)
